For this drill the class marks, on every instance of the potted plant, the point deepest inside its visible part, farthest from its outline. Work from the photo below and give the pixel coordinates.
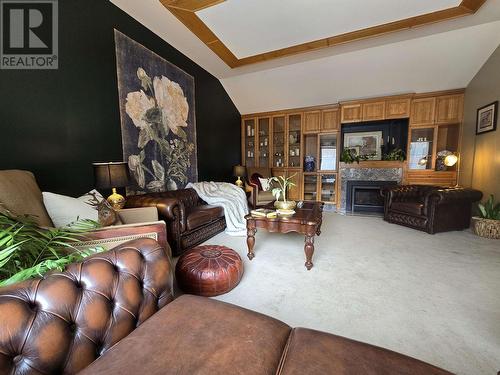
(27, 250)
(349, 155)
(283, 184)
(395, 155)
(488, 224)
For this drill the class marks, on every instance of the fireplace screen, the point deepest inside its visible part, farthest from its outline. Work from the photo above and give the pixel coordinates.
(365, 196)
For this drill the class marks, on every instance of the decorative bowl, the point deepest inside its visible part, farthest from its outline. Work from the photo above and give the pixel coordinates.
(285, 212)
(288, 205)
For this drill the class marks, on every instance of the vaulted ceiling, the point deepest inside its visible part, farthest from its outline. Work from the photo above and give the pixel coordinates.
(382, 60)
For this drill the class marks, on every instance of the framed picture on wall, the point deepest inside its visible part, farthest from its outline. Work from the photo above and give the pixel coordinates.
(365, 144)
(487, 117)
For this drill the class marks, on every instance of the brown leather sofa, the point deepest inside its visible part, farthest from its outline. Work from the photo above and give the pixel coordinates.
(190, 220)
(258, 197)
(431, 209)
(114, 313)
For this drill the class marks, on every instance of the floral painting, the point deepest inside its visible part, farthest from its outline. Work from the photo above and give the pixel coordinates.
(157, 119)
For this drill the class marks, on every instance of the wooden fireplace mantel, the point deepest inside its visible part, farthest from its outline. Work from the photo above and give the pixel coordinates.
(374, 164)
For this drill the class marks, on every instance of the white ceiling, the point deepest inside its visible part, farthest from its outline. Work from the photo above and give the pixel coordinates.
(252, 27)
(440, 56)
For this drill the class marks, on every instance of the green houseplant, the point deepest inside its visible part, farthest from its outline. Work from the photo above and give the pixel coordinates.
(27, 250)
(284, 183)
(488, 224)
(395, 155)
(349, 156)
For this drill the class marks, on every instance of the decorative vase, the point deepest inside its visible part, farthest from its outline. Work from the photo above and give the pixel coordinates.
(309, 163)
(487, 228)
(288, 205)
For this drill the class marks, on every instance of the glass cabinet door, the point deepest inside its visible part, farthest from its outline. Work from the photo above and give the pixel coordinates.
(278, 142)
(327, 152)
(294, 139)
(264, 133)
(310, 187)
(421, 148)
(447, 147)
(249, 142)
(328, 182)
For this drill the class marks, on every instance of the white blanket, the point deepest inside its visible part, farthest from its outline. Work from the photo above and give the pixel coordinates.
(228, 196)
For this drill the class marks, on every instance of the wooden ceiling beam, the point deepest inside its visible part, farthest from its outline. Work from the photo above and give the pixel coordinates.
(472, 5)
(190, 5)
(185, 11)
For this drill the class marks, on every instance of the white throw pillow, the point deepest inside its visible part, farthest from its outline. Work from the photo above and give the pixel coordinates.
(64, 210)
(265, 183)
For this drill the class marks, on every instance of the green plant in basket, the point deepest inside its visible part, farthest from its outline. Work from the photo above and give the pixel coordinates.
(27, 250)
(490, 210)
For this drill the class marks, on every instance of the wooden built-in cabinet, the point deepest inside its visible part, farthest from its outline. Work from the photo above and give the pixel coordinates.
(375, 109)
(280, 140)
(435, 129)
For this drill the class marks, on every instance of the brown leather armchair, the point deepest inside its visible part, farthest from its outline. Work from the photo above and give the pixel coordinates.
(190, 220)
(431, 209)
(258, 197)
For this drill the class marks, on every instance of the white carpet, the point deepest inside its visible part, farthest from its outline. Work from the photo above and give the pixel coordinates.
(433, 297)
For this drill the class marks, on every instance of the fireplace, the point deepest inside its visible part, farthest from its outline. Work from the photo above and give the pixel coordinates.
(364, 196)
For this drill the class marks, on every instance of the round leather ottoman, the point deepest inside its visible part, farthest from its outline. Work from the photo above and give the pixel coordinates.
(209, 270)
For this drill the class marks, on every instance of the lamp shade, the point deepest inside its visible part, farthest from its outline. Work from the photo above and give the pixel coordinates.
(450, 160)
(111, 175)
(239, 171)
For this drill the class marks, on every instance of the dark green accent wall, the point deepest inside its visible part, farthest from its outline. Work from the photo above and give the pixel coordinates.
(55, 123)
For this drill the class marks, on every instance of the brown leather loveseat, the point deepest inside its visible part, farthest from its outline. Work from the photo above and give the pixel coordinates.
(432, 209)
(190, 220)
(114, 313)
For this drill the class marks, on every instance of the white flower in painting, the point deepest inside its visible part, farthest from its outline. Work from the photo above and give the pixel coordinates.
(138, 103)
(173, 104)
(136, 167)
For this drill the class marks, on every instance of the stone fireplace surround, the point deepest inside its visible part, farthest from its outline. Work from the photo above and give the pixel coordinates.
(348, 173)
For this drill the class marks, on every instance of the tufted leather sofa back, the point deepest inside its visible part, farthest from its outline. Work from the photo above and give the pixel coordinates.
(61, 323)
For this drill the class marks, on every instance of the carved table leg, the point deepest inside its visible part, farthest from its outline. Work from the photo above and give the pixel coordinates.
(309, 247)
(251, 230)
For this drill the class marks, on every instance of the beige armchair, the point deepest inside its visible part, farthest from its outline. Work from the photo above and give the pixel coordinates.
(20, 194)
(258, 197)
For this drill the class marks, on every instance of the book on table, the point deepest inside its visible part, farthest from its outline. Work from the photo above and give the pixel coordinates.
(264, 212)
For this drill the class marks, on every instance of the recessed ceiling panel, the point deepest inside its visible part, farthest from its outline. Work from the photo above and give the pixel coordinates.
(251, 27)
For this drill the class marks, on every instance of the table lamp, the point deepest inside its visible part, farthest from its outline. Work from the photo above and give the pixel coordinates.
(111, 176)
(239, 171)
(450, 160)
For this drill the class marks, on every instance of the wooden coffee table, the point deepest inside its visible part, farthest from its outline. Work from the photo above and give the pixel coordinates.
(306, 220)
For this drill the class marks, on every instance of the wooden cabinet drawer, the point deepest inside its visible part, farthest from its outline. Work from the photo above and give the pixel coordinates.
(351, 113)
(373, 111)
(449, 109)
(397, 108)
(330, 120)
(312, 121)
(422, 111)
